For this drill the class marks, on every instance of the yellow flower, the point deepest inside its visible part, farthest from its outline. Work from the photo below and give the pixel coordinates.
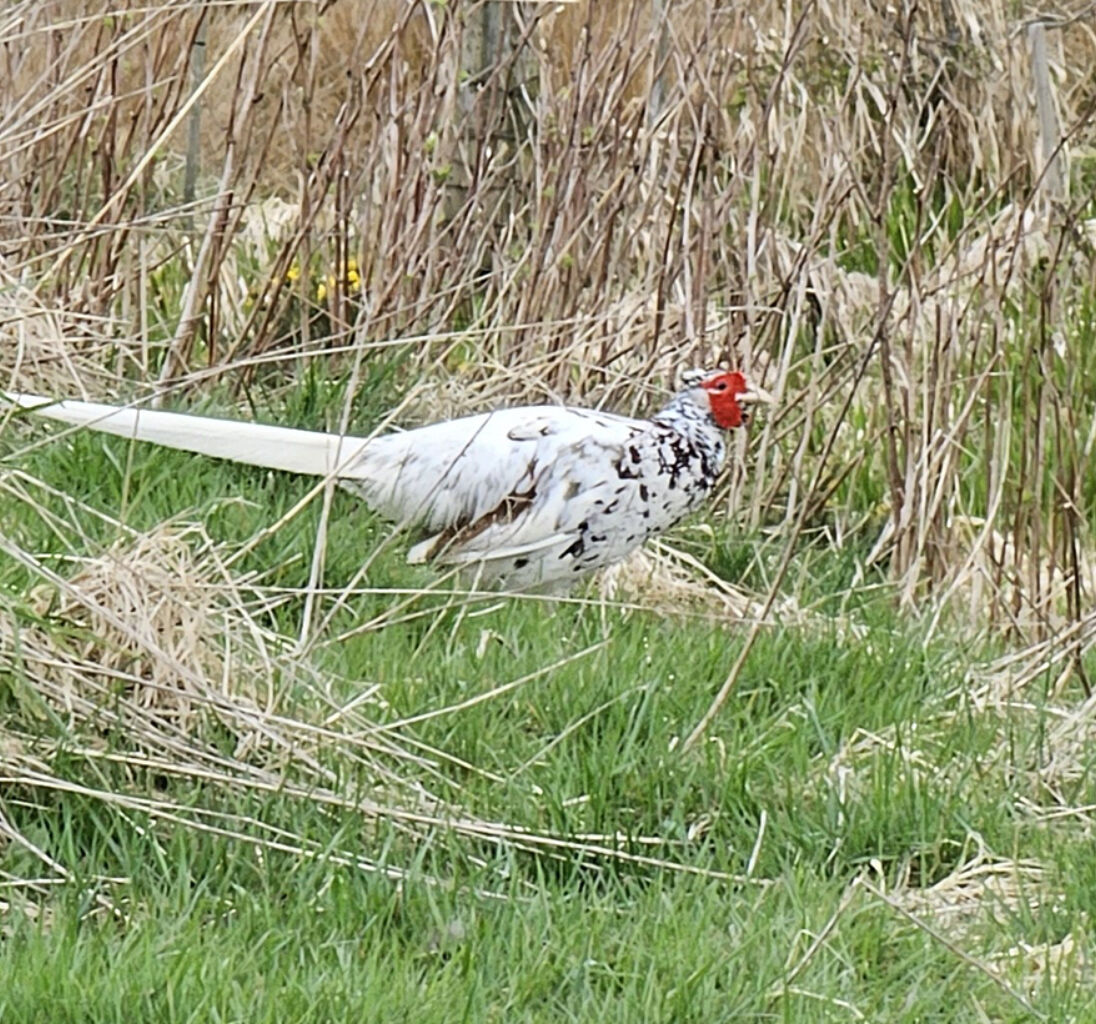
(293, 273)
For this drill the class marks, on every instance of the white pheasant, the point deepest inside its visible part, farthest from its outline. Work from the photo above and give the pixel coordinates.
(526, 497)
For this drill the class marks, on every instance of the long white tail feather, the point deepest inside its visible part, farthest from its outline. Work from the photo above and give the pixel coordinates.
(256, 444)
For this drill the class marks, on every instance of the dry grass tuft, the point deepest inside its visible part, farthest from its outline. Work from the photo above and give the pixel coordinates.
(47, 348)
(1068, 960)
(669, 582)
(151, 621)
(977, 891)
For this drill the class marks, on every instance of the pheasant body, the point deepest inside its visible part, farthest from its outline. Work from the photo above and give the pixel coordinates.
(524, 497)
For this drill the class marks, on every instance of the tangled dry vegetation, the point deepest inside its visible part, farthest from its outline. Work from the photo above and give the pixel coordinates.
(885, 212)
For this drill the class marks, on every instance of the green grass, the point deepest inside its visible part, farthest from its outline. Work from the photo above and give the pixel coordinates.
(746, 879)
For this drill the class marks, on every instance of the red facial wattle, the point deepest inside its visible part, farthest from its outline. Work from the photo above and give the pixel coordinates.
(723, 390)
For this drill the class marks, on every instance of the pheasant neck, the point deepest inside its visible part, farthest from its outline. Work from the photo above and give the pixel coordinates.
(684, 417)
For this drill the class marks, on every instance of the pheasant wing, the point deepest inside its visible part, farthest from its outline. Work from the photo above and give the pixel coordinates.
(465, 474)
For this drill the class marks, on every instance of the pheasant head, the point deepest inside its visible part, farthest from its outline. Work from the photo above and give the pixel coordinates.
(722, 395)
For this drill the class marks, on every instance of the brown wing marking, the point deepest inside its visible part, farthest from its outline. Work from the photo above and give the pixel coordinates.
(506, 511)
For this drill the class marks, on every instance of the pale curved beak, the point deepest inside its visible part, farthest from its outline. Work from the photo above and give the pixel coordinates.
(753, 393)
